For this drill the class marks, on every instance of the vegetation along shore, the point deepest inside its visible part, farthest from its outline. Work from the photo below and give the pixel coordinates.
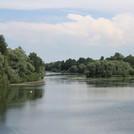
(114, 66)
(17, 67)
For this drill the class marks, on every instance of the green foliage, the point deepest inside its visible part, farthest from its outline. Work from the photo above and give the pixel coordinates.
(31, 77)
(81, 60)
(73, 69)
(3, 45)
(102, 58)
(38, 64)
(108, 69)
(116, 65)
(81, 68)
(16, 66)
(117, 56)
(130, 60)
(1, 61)
(3, 69)
(70, 65)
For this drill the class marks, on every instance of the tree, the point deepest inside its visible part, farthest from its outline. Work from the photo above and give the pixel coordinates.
(108, 68)
(16, 66)
(38, 64)
(81, 68)
(18, 59)
(3, 45)
(81, 60)
(73, 69)
(130, 60)
(68, 63)
(88, 60)
(3, 68)
(102, 58)
(117, 56)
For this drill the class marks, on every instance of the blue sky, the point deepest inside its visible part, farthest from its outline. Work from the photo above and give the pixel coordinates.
(69, 29)
(53, 15)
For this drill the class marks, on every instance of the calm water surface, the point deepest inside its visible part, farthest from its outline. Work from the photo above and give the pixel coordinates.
(68, 104)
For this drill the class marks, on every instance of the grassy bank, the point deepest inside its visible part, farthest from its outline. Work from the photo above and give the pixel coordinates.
(41, 81)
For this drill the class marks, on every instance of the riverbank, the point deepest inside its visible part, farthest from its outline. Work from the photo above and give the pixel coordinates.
(49, 73)
(41, 81)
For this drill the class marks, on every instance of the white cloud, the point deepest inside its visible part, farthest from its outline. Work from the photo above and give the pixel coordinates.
(82, 31)
(113, 5)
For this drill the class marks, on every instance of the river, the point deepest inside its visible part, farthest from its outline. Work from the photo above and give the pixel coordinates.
(68, 104)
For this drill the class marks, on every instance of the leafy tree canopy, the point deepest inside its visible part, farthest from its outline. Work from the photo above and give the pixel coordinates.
(16, 66)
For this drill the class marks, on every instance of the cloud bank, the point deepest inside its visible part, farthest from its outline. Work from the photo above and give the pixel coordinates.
(113, 5)
(82, 31)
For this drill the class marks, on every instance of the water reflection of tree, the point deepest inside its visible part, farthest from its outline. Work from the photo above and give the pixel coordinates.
(19, 94)
(111, 83)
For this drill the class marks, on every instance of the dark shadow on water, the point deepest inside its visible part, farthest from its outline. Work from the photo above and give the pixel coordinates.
(111, 83)
(19, 94)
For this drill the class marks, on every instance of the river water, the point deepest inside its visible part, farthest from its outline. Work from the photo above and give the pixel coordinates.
(68, 104)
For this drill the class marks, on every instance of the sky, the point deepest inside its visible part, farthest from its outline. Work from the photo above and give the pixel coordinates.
(62, 29)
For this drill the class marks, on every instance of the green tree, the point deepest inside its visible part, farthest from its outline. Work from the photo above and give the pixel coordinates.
(130, 60)
(16, 66)
(38, 64)
(108, 68)
(3, 69)
(81, 68)
(117, 56)
(68, 63)
(102, 58)
(81, 61)
(88, 60)
(73, 69)
(3, 45)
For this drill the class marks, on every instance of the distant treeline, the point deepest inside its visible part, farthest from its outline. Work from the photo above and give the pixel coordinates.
(116, 65)
(16, 66)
